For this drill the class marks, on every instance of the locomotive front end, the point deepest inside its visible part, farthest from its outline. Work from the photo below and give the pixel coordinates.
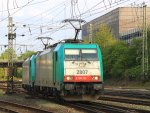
(82, 72)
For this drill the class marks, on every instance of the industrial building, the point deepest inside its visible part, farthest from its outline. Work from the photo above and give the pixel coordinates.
(125, 22)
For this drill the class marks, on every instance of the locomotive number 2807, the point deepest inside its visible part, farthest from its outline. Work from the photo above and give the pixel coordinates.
(82, 71)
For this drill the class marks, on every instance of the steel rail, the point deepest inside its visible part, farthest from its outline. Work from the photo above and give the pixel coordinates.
(125, 100)
(7, 110)
(25, 107)
(120, 108)
(99, 108)
(96, 107)
(128, 94)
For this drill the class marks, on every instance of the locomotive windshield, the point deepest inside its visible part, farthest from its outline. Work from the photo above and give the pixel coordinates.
(81, 54)
(72, 54)
(89, 54)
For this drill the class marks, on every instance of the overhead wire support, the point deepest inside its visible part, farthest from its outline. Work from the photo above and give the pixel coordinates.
(90, 33)
(45, 44)
(145, 46)
(77, 29)
(11, 37)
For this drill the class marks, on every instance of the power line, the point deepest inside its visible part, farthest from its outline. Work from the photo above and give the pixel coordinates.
(15, 11)
(22, 6)
(80, 15)
(8, 8)
(53, 9)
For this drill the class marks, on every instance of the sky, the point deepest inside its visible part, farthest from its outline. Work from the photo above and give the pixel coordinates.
(44, 18)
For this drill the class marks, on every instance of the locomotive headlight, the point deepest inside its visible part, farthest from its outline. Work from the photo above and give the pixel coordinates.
(68, 78)
(96, 78)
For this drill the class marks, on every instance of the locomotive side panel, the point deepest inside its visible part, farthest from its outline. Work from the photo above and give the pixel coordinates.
(58, 66)
(25, 76)
(37, 71)
(44, 69)
(32, 70)
(100, 62)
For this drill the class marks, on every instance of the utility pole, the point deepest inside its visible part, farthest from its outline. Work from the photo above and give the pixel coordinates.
(145, 46)
(11, 37)
(90, 33)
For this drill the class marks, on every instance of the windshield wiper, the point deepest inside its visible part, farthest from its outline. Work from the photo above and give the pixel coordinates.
(87, 60)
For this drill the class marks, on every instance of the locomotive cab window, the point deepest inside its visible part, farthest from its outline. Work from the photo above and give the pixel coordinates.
(89, 54)
(72, 54)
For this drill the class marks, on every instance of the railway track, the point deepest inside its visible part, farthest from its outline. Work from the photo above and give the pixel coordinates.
(125, 97)
(17, 84)
(99, 107)
(95, 107)
(134, 94)
(125, 100)
(6, 110)
(19, 108)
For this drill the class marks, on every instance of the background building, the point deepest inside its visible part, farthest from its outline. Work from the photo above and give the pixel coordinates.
(125, 22)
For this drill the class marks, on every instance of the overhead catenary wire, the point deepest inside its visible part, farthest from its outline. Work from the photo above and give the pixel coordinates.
(50, 10)
(128, 22)
(15, 11)
(82, 13)
(87, 10)
(11, 9)
(8, 8)
(2, 9)
(85, 15)
(76, 16)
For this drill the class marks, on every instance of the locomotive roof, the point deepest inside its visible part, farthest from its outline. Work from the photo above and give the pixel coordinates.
(32, 57)
(46, 51)
(26, 60)
(68, 45)
(66, 41)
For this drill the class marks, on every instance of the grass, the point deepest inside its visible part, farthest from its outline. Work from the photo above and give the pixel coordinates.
(14, 78)
(1, 93)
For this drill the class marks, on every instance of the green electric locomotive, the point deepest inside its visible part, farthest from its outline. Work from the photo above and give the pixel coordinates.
(72, 71)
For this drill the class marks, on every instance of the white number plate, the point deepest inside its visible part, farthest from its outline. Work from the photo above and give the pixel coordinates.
(82, 71)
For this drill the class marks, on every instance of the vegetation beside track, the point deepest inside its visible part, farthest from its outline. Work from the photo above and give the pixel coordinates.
(122, 60)
(129, 84)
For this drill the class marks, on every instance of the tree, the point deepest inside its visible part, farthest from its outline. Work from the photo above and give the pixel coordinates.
(104, 37)
(116, 60)
(121, 61)
(4, 55)
(26, 55)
